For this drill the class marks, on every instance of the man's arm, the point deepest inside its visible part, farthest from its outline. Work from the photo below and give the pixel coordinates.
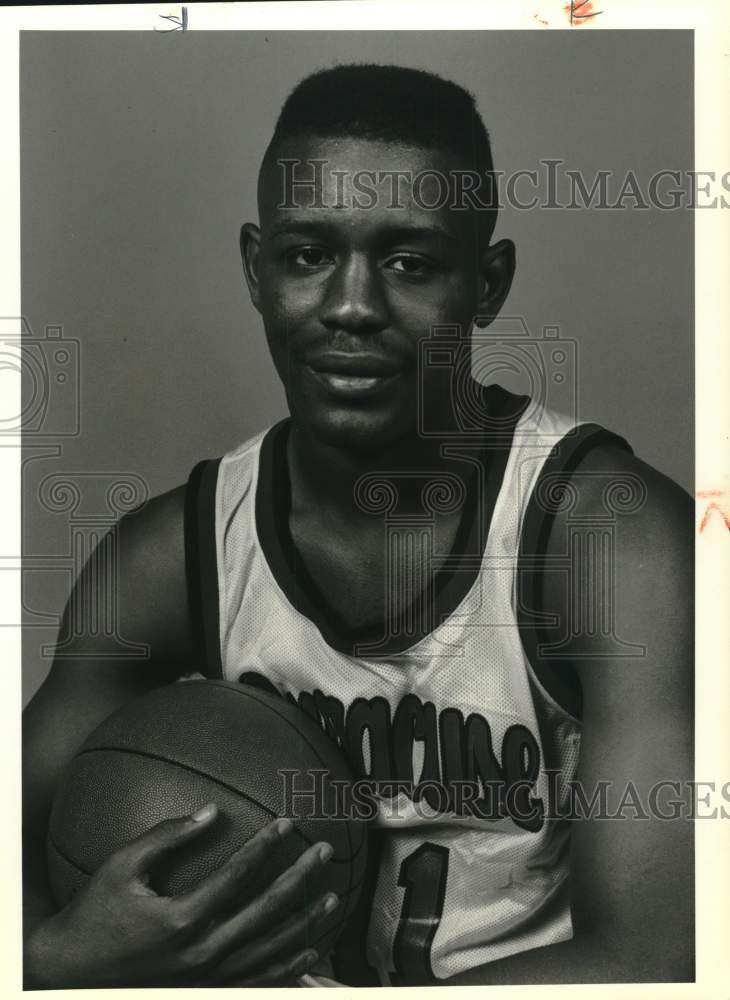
(116, 931)
(631, 878)
(81, 689)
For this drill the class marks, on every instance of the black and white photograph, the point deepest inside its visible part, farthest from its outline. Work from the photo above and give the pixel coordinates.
(361, 485)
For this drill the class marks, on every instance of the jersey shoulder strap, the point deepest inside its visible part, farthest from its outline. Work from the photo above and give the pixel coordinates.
(201, 565)
(557, 677)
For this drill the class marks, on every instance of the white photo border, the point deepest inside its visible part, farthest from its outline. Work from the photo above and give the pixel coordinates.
(710, 22)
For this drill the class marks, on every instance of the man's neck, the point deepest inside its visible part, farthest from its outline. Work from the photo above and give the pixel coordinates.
(324, 477)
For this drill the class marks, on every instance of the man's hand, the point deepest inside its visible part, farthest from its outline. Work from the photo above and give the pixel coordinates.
(118, 932)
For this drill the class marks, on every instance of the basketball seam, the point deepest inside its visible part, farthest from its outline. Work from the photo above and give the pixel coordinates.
(66, 858)
(314, 750)
(216, 781)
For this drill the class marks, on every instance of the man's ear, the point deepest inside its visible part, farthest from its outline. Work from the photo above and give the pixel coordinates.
(250, 241)
(497, 269)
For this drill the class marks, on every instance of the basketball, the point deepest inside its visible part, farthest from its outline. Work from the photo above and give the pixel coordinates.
(168, 753)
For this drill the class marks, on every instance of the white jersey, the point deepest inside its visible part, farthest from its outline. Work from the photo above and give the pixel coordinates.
(459, 701)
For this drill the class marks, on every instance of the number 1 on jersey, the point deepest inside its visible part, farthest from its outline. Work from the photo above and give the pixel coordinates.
(423, 876)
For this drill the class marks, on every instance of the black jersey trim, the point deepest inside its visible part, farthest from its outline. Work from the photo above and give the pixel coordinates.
(449, 586)
(201, 565)
(559, 679)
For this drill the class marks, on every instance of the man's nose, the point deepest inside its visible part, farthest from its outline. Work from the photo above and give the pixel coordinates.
(354, 298)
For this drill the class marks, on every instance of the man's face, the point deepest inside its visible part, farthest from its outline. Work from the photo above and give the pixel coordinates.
(347, 293)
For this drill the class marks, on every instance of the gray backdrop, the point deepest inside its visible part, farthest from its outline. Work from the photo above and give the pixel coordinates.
(139, 153)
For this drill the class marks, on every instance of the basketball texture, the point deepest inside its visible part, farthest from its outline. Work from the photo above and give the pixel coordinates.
(168, 753)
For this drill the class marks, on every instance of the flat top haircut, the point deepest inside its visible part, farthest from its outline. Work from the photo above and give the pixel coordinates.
(391, 104)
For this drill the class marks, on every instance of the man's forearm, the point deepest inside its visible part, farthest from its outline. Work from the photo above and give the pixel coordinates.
(584, 959)
(38, 906)
(38, 902)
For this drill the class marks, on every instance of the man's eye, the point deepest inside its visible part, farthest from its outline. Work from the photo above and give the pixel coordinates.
(310, 257)
(410, 264)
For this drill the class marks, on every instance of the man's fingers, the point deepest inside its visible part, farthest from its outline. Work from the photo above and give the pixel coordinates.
(289, 939)
(273, 906)
(140, 854)
(223, 887)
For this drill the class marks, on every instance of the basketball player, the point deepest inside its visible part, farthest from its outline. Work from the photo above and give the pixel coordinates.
(414, 558)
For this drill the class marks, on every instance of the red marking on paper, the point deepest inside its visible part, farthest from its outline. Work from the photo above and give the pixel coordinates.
(579, 11)
(714, 507)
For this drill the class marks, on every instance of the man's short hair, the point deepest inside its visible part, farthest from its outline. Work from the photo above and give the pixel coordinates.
(391, 104)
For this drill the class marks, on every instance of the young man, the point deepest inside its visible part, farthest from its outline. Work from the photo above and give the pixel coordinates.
(465, 587)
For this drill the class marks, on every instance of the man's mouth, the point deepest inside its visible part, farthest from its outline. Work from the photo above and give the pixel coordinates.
(353, 374)
(341, 384)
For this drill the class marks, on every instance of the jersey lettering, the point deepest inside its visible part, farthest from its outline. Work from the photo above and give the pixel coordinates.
(457, 754)
(423, 875)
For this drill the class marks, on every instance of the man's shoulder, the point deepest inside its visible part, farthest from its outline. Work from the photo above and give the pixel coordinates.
(611, 483)
(157, 526)
(629, 531)
(153, 589)
(158, 541)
